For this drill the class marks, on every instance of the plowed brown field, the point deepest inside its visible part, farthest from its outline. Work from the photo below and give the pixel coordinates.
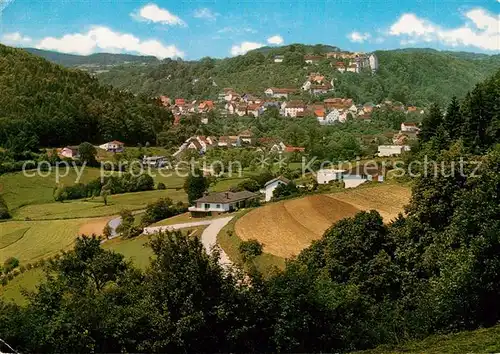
(285, 228)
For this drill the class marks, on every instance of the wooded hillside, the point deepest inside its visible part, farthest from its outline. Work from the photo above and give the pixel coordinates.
(413, 77)
(43, 104)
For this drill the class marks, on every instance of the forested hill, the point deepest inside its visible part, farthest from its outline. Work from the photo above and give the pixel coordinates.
(44, 104)
(416, 76)
(97, 59)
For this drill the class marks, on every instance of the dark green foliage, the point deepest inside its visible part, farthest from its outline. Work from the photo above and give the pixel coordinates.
(263, 177)
(9, 264)
(122, 183)
(4, 209)
(475, 120)
(43, 104)
(250, 249)
(453, 120)
(162, 209)
(431, 123)
(250, 185)
(285, 191)
(127, 227)
(161, 186)
(87, 153)
(195, 185)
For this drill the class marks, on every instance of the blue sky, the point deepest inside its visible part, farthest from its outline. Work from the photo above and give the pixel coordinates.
(196, 28)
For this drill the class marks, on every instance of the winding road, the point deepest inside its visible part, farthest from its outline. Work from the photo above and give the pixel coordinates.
(208, 237)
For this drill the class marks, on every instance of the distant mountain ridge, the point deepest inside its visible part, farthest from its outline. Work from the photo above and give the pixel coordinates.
(98, 59)
(413, 76)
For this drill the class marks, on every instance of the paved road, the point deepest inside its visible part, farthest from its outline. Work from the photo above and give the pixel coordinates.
(114, 223)
(155, 229)
(208, 237)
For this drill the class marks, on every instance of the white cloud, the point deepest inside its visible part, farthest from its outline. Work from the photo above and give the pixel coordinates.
(276, 40)
(244, 47)
(481, 30)
(236, 31)
(205, 13)
(100, 38)
(154, 13)
(358, 37)
(16, 38)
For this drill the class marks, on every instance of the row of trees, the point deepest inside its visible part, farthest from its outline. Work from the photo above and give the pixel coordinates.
(122, 183)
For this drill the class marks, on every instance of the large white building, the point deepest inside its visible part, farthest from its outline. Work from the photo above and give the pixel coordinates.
(373, 62)
(392, 150)
(326, 176)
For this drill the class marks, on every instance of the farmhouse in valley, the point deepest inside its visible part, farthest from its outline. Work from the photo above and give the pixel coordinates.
(407, 127)
(113, 146)
(271, 185)
(223, 202)
(70, 152)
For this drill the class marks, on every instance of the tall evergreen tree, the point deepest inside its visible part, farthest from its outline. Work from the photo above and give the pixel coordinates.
(431, 123)
(453, 119)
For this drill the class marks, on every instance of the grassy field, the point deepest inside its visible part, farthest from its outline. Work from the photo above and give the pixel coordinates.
(18, 189)
(95, 207)
(135, 250)
(40, 239)
(285, 228)
(484, 340)
(25, 281)
(229, 242)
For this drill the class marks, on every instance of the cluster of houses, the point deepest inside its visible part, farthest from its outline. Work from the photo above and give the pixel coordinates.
(224, 202)
(180, 107)
(246, 138)
(341, 61)
(409, 131)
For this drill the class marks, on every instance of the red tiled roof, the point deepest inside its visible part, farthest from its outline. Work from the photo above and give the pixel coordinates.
(319, 113)
(295, 104)
(254, 106)
(283, 90)
(294, 149)
(180, 101)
